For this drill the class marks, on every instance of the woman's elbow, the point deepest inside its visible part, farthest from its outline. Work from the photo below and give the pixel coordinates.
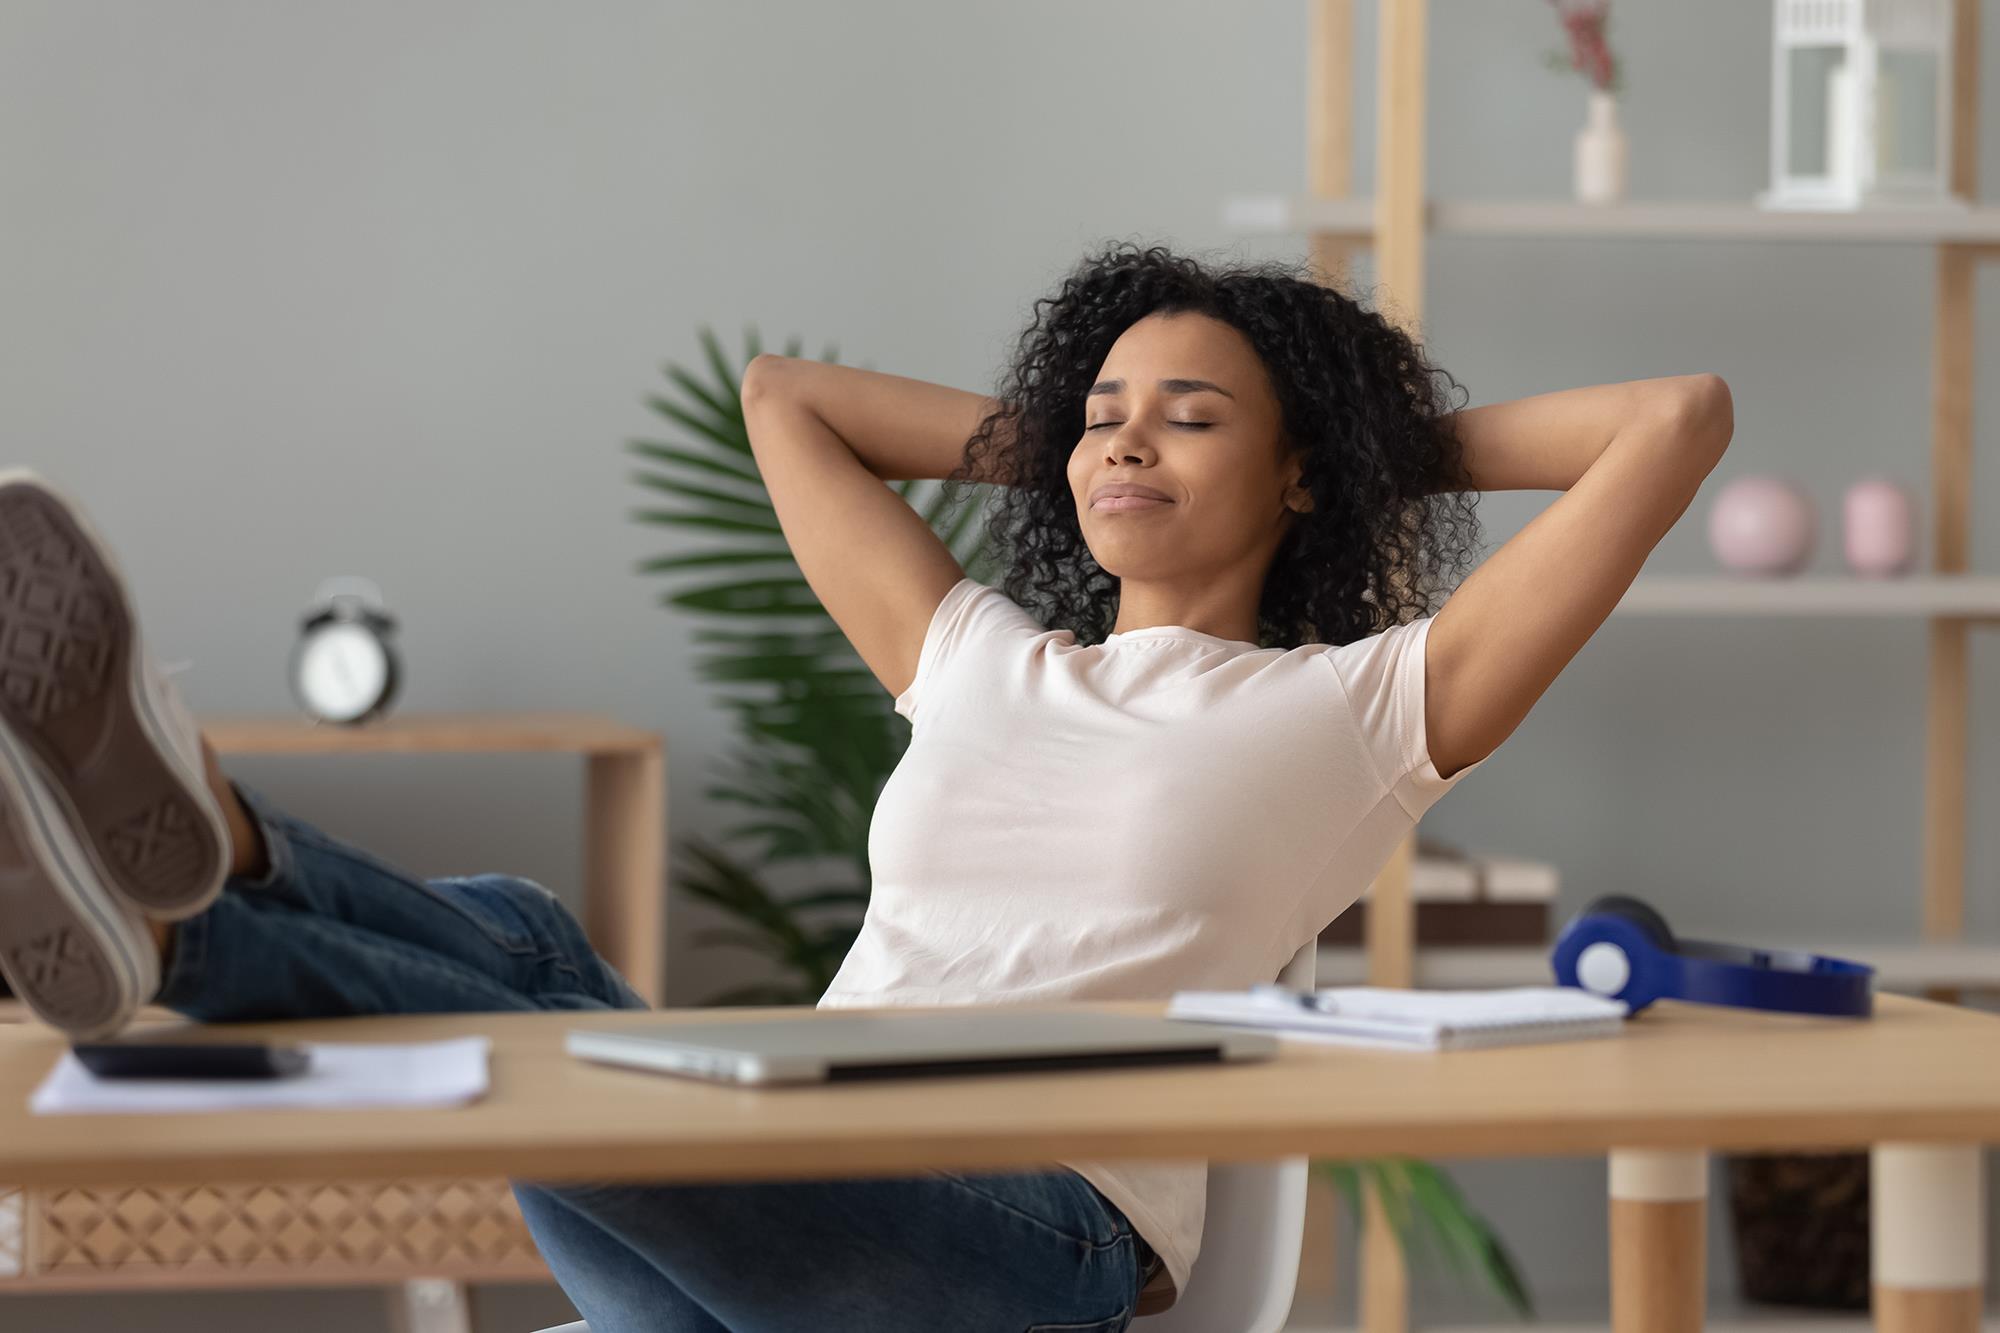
(1703, 413)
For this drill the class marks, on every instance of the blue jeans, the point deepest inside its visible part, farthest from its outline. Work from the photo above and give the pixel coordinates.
(329, 931)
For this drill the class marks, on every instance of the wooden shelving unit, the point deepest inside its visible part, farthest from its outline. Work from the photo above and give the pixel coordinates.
(1394, 224)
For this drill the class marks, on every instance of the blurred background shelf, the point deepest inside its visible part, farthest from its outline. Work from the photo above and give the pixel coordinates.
(1970, 597)
(1907, 965)
(1666, 220)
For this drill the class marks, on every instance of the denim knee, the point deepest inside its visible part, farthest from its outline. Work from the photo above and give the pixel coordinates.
(526, 917)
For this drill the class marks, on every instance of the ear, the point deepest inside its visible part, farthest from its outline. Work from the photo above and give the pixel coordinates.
(1296, 496)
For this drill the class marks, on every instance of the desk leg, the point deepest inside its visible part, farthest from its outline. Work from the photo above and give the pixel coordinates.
(625, 864)
(1927, 1234)
(1659, 1254)
(431, 1305)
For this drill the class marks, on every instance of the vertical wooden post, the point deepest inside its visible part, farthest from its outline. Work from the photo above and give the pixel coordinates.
(1399, 162)
(1659, 1254)
(1927, 1236)
(1329, 175)
(625, 864)
(1948, 697)
(1330, 127)
(1384, 1278)
(1399, 277)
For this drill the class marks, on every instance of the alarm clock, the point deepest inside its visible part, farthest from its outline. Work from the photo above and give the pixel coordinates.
(344, 668)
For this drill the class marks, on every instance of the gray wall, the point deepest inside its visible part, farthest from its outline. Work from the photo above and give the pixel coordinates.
(292, 290)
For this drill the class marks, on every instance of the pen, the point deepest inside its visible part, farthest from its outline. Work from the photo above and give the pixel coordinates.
(1302, 999)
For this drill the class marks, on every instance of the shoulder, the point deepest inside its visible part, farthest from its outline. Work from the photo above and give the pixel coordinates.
(971, 619)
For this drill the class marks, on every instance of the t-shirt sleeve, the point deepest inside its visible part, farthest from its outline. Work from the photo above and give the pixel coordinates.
(1383, 676)
(970, 617)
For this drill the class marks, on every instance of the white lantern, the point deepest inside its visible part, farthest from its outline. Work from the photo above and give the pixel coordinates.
(1861, 105)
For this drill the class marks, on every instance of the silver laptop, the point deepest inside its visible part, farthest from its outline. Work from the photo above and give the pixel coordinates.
(975, 1040)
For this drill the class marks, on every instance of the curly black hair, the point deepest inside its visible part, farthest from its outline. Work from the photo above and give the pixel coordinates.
(1392, 522)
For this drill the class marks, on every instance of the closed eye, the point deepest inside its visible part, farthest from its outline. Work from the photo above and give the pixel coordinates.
(1193, 425)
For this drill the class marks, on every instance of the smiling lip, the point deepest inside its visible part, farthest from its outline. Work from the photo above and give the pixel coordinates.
(1117, 493)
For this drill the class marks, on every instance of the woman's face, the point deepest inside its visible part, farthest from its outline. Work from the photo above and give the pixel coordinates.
(1184, 406)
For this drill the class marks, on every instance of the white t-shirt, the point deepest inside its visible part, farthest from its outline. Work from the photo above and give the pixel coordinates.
(1168, 810)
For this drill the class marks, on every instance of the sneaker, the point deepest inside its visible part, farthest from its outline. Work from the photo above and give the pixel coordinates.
(81, 958)
(117, 753)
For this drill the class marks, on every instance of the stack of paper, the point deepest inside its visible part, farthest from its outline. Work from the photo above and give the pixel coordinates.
(1438, 1020)
(342, 1074)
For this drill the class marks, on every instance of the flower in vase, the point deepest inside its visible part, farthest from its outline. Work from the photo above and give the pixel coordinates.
(1584, 21)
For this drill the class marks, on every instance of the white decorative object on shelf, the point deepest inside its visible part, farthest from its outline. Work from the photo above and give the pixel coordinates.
(1878, 528)
(1600, 153)
(1860, 105)
(1761, 525)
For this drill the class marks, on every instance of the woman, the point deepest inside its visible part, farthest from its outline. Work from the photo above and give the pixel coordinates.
(1235, 493)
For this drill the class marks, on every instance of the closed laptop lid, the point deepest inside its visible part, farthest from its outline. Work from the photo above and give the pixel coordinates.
(854, 1044)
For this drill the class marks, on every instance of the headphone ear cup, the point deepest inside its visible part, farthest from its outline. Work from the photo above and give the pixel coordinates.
(1639, 914)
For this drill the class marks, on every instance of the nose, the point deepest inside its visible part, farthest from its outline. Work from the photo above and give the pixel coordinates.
(1125, 443)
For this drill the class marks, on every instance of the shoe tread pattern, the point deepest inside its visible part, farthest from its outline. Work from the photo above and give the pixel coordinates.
(51, 958)
(66, 658)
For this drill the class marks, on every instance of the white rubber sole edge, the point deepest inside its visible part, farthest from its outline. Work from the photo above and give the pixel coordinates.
(69, 872)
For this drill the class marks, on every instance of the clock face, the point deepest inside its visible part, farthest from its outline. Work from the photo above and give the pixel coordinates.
(342, 671)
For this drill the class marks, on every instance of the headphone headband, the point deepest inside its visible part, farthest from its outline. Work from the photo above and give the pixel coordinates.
(1622, 949)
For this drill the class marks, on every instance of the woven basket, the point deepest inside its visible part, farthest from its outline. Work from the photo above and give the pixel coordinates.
(1802, 1228)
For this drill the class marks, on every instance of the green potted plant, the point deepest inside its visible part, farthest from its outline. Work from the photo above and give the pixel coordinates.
(820, 737)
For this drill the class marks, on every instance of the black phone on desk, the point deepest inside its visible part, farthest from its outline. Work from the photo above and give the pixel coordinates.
(162, 1059)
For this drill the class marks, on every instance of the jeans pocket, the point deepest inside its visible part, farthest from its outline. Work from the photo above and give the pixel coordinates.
(1117, 1323)
(492, 905)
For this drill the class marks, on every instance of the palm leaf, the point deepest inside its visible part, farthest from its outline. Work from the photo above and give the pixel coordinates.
(689, 491)
(659, 452)
(717, 428)
(693, 559)
(1420, 1197)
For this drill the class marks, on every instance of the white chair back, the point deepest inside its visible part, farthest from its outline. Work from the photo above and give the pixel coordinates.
(1248, 1269)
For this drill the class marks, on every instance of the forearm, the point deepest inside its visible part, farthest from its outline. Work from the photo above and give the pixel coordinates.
(1548, 441)
(899, 428)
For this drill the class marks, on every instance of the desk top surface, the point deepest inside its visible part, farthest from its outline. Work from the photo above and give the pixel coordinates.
(1681, 1076)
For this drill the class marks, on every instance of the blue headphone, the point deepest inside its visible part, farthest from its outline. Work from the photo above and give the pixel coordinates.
(1621, 948)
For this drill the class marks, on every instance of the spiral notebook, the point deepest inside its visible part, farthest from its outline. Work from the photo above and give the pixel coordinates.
(1421, 1020)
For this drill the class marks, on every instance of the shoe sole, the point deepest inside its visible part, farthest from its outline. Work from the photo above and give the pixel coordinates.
(81, 961)
(72, 693)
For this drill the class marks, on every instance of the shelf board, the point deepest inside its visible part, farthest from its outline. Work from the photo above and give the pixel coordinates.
(1722, 1316)
(1942, 596)
(1719, 220)
(1900, 965)
(430, 733)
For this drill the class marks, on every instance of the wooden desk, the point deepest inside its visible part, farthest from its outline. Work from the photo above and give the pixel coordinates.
(624, 802)
(1920, 1084)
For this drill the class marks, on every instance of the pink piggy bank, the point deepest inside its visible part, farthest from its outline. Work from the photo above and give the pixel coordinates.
(1878, 529)
(1761, 525)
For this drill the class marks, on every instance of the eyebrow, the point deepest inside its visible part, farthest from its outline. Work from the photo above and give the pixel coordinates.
(1166, 386)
